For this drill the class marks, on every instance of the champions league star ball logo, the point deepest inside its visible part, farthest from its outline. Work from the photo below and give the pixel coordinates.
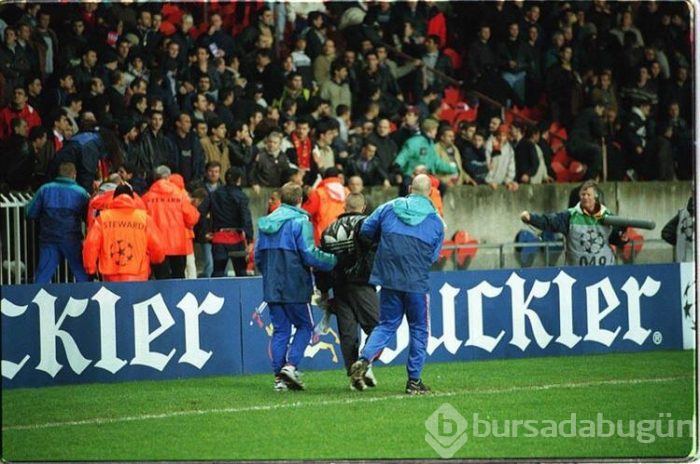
(121, 252)
(592, 241)
(689, 303)
(687, 228)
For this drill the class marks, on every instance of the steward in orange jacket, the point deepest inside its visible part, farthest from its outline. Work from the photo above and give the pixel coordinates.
(122, 241)
(102, 200)
(173, 213)
(326, 202)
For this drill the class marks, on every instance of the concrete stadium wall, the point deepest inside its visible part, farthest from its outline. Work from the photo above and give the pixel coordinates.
(492, 216)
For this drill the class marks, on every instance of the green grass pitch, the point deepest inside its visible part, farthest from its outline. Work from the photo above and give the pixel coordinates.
(240, 418)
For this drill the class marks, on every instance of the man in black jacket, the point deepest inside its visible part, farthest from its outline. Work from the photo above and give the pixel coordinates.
(230, 216)
(584, 142)
(352, 299)
(188, 157)
(156, 149)
(368, 166)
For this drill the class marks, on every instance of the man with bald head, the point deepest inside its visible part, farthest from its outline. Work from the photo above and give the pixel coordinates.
(410, 235)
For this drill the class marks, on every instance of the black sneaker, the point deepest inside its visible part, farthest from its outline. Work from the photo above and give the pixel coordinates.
(417, 387)
(358, 371)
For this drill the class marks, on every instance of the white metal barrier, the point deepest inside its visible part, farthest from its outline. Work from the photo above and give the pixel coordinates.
(19, 252)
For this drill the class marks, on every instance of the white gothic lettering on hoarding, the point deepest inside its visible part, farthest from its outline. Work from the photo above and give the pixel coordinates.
(594, 317)
(520, 311)
(50, 332)
(477, 337)
(635, 331)
(449, 329)
(10, 369)
(107, 302)
(212, 304)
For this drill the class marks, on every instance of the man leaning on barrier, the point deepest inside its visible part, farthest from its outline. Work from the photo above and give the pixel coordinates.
(588, 240)
(60, 206)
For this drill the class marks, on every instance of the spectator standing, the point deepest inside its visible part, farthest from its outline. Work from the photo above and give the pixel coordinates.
(189, 155)
(513, 61)
(635, 132)
(531, 164)
(60, 207)
(585, 144)
(420, 149)
(449, 153)
(285, 254)
(155, 148)
(172, 213)
(203, 229)
(216, 146)
(19, 108)
(500, 157)
(123, 241)
(336, 89)
(368, 166)
(322, 63)
(231, 218)
(271, 165)
(410, 234)
(474, 158)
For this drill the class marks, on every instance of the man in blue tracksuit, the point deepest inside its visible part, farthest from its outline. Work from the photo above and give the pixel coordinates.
(410, 234)
(61, 207)
(285, 253)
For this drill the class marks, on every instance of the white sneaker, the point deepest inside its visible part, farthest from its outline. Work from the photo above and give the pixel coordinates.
(280, 384)
(369, 379)
(291, 377)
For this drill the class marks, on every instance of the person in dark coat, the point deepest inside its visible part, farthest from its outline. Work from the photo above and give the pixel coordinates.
(188, 159)
(584, 142)
(230, 215)
(354, 301)
(368, 166)
(156, 149)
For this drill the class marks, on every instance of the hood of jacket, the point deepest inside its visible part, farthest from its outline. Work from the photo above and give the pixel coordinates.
(413, 209)
(273, 222)
(600, 214)
(335, 188)
(163, 186)
(124, 202)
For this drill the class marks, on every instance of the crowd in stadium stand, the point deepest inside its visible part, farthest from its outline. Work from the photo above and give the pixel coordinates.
(497, 93)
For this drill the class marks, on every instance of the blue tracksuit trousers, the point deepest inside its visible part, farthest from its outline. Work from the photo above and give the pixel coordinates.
(284, 316)
(393, 304)
(50, 255)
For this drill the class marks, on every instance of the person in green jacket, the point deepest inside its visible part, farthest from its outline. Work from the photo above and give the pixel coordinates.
(420, 149)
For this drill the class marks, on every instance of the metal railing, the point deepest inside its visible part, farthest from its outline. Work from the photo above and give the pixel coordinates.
(19, 250)
(553, 253)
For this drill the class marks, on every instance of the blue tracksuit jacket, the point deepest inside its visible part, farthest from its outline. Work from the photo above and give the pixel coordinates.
(285, 252)
(410, 234)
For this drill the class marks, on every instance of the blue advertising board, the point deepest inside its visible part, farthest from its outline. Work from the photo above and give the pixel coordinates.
(100, 332)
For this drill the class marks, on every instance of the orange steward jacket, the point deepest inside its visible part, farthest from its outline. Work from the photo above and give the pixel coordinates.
(122, 242)
(173, 214)
(325, 203)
